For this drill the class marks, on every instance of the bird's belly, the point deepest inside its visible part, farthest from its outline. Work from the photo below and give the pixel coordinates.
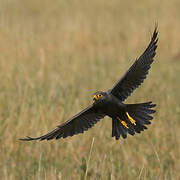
(110, 107)
(114, 111)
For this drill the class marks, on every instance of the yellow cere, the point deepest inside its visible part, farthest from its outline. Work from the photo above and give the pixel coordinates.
(131, 119)
(124, 124)
(95, 97)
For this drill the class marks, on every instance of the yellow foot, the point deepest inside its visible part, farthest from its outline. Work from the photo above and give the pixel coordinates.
(131, 119)
(123, 123)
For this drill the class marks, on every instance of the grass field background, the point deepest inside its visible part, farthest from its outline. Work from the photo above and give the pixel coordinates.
(54, 55)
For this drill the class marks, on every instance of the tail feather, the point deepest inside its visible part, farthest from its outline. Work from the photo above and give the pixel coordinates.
(117, 129)
(139, 106)
(140, 120)
(122, 130)
(114, 130)
(130, 129)
(134, 120)
(140, 113)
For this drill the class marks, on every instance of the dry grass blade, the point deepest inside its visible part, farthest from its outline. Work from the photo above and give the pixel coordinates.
(90, 152)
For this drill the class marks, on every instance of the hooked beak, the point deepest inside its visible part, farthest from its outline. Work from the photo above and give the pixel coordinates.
(95, 97)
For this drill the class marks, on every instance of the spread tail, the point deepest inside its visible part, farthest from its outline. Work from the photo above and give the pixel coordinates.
(133, 120)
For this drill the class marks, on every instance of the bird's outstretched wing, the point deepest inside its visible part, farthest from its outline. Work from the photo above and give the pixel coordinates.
(77, 124)
(137, 72)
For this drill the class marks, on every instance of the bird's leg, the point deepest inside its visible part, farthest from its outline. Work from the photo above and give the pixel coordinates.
(123, 123)
(131, 119)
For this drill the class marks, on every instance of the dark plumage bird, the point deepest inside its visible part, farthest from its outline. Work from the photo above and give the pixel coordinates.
(126, 118)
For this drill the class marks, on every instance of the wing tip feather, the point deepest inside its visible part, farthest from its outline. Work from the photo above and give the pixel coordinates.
(28, 138)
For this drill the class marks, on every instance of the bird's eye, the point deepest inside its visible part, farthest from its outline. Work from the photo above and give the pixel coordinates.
(99, 95)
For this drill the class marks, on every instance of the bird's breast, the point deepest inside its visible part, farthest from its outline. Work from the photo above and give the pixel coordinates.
(110, 106)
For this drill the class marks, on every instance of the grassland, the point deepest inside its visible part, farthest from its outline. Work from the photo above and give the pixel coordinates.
(54, 55)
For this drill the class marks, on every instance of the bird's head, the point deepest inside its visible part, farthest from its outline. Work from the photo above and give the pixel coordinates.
(98, 95)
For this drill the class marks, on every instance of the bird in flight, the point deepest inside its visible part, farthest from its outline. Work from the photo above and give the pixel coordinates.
(126, 118)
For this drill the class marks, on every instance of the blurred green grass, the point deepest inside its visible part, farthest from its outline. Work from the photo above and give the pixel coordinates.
(54, 55)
